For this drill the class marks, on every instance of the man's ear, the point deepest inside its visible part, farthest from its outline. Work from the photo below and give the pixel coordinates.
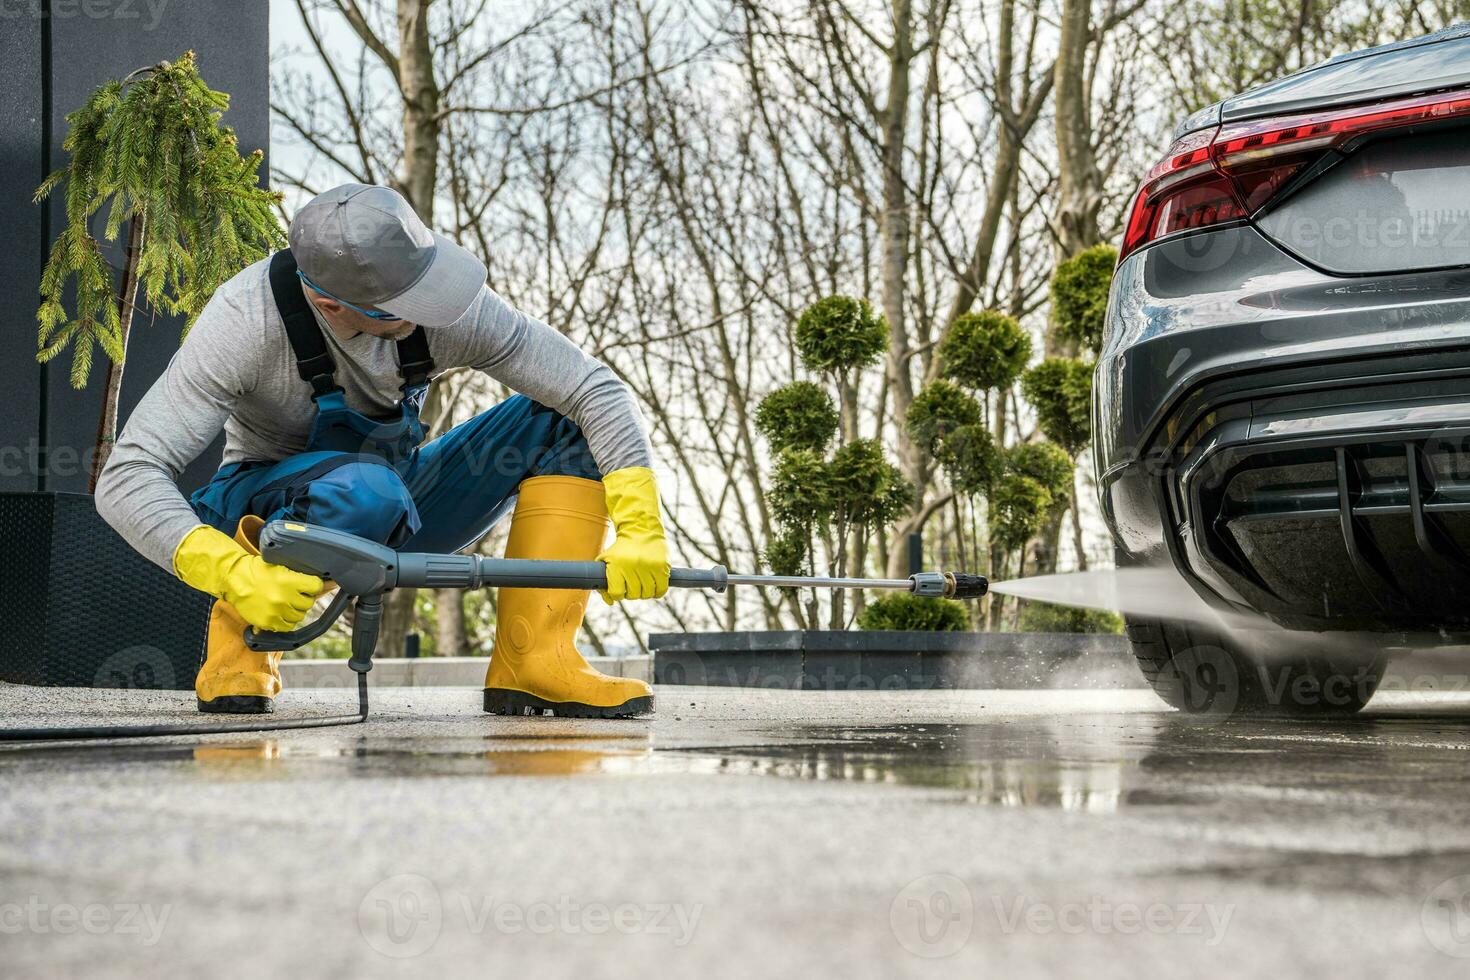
(325, 304)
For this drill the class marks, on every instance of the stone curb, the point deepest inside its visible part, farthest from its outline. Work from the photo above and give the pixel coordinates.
(837, 660)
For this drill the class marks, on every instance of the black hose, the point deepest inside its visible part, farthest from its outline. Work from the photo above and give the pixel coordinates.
(156, 731)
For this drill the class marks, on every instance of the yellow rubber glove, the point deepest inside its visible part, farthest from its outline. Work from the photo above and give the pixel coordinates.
(638, 561)
(268, 597)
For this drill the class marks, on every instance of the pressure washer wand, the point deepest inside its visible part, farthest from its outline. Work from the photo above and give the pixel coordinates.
(424, 571)
(364, 570)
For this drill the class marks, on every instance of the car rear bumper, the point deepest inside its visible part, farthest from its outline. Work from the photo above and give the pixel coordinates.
(1313, 467)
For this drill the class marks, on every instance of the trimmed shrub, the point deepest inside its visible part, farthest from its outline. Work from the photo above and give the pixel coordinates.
(866, 489)
(1060, 389)
(797, 416)
(985, 350)
(1018, 509)
(1079, 296)
(971, 459)
(786, 554)
(839, 333)
(1046, 463)
(801, 492)
(938, 410)
(911, 612)
(1046, 617)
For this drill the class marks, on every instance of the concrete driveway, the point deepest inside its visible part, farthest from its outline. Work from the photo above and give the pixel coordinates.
(743, 833)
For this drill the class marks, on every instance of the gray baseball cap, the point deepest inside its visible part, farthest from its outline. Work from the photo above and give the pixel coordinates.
(364, 244)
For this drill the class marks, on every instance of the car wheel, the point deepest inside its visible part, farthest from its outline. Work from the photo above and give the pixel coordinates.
(1204, 671)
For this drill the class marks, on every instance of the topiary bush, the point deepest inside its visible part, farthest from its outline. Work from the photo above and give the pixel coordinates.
(937, 411)
(971, 459)
(785, 553)
(1046, 463)
(1079, 296)
(817, 500)
(1046, 617)
(799, 415)
(801, 493)
(1018, 508)
(1060, 389)
(839, 333)
(866, 489)
(901, 611)
(986, 350)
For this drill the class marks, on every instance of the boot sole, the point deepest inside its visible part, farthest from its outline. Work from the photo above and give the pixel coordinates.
(238, 704)
(499, 701)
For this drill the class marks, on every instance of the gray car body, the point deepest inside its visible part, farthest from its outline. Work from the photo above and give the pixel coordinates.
(1222, 339)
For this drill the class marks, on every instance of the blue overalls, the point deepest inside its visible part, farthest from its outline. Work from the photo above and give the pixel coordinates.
(371, 477)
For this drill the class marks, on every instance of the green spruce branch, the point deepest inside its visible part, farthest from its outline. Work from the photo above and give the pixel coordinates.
(150, 150)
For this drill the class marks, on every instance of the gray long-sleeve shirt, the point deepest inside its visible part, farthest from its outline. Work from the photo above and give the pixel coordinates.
(235, 370)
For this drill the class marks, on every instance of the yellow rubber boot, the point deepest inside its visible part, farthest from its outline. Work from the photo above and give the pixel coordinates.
(535, 668)
(235, 679)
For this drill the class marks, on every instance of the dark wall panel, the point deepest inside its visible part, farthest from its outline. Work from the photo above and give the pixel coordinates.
(230, 39)
(20, 259)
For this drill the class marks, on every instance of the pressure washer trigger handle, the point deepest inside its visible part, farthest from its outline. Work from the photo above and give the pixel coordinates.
(267, 640)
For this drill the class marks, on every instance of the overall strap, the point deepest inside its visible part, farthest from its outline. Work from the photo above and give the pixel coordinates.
(415, 363)
(313, 361)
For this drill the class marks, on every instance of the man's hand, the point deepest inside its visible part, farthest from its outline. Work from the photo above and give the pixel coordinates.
(268, 597)
(638, 560)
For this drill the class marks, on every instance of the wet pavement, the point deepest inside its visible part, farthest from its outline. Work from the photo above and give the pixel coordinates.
(743, 832)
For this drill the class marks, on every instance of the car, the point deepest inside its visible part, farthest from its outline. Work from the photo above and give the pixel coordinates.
(1281, 404)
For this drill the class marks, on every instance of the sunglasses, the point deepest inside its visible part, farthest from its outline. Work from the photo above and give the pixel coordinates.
(375, 314)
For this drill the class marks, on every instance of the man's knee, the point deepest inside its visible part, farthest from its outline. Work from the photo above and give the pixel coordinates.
(363, 498)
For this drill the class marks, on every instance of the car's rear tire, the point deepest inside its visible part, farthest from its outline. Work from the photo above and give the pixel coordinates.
(1203, 671)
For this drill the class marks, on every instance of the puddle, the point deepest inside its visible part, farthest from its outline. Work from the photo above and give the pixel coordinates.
(1083, 762)
(429, 760)
(965, 760)
(943, 759)
(959, 758)
(414, 757)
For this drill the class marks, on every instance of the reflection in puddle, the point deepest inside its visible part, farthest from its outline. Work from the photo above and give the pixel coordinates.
(1007, 782)
(420, 758)
(273, 759)
(1013, 764)
(1093, 787)
(1085, 764)
(224, 755)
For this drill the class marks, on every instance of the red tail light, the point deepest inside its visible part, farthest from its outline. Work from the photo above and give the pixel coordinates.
(1228, 173)
(1182, 192)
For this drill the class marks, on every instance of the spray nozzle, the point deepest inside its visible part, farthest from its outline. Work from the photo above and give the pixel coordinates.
(949, 585)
